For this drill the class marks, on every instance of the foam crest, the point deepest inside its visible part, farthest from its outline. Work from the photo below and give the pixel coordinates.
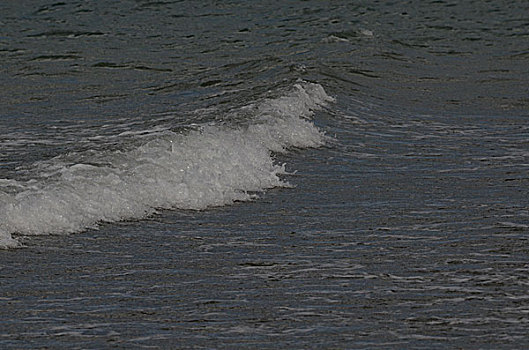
(209, 166)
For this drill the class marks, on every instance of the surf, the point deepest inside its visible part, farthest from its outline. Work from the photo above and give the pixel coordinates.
(210, 165)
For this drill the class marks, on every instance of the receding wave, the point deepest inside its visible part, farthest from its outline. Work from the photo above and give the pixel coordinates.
(212, 165)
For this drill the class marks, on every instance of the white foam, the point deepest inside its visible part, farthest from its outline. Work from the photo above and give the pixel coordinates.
(334, 39)
(210, 166)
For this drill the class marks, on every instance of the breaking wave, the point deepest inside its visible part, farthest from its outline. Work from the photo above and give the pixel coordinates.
(212, 165)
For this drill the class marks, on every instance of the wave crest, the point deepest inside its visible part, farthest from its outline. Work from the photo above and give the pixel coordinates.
(211, 166)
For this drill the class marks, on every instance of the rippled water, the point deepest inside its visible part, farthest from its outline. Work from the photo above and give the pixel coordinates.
(407, 229)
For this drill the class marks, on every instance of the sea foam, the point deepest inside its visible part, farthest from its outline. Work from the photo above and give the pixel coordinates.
(212, 165)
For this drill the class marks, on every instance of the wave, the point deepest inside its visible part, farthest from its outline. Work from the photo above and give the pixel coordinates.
(212, 165)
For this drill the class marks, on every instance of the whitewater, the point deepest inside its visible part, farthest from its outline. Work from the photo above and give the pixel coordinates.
(209, 165)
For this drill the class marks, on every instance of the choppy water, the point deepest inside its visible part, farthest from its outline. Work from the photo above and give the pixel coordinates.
(264, 174)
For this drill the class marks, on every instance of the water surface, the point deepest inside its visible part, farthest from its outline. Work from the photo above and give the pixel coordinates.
(189, 174)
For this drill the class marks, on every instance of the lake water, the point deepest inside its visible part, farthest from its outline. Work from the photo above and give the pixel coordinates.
(295, 174)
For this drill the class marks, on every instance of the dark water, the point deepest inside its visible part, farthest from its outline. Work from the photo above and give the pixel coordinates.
(407, 229)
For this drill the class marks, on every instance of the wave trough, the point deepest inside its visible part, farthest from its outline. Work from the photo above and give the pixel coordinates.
(213, 165)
